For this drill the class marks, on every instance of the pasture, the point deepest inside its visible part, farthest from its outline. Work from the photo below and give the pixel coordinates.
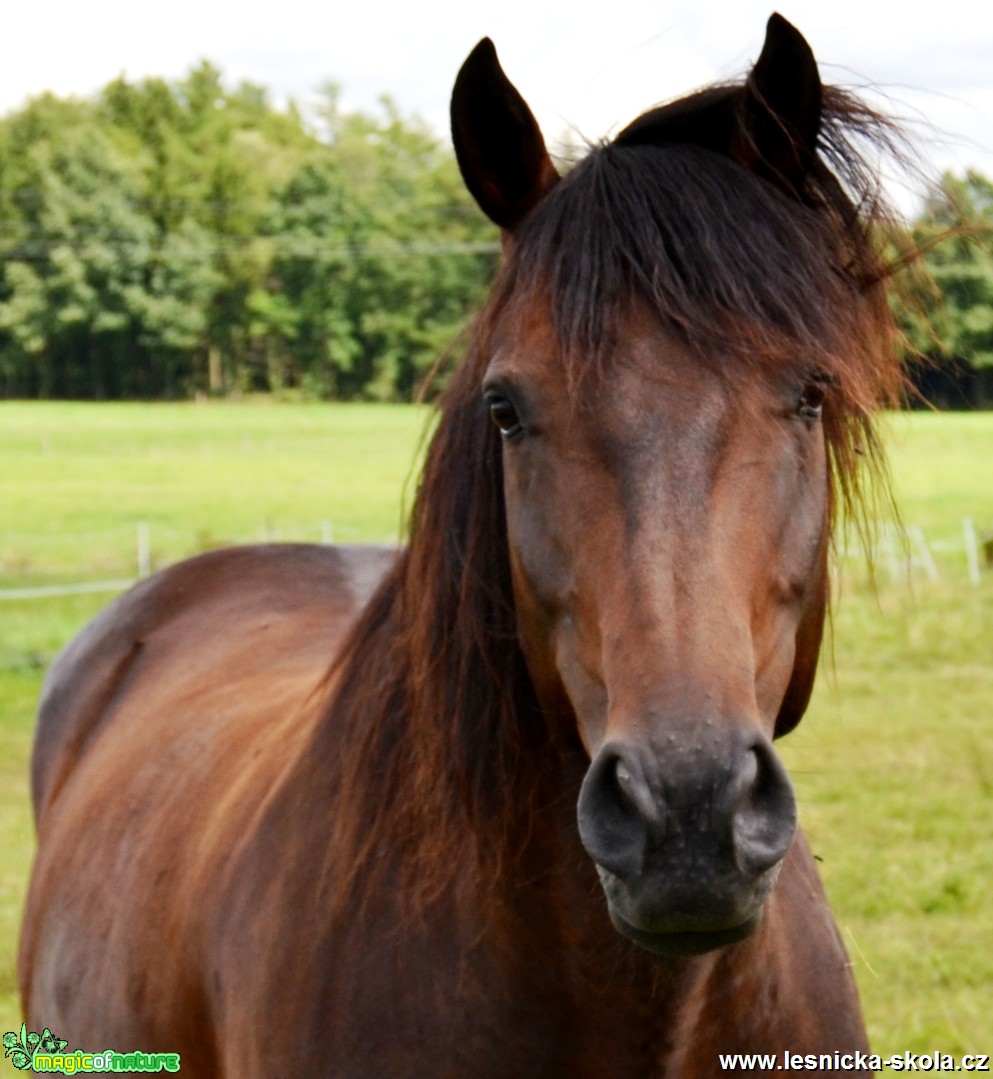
(893, 763)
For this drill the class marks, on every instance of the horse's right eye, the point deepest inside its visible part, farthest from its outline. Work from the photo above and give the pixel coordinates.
(504, 415)
(811, 403)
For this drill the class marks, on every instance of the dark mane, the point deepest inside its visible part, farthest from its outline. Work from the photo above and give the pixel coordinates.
(428, 747)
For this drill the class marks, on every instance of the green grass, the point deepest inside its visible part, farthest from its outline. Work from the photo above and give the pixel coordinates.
(940, 468)
(894, 773)
(200, 475)
(893, 763)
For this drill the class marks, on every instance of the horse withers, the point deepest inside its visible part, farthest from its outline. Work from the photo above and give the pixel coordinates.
(506, 802)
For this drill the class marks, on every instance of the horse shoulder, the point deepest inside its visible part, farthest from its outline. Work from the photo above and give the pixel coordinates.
(162, 730)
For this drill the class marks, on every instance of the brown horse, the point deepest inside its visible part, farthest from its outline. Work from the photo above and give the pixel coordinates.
(313, 812)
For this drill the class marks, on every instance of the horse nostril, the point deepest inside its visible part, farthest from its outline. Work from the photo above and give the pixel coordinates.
(764, 820)
(636, 798)
(612, 805)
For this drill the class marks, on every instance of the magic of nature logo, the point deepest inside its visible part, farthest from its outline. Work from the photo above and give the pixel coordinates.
(45, 1052)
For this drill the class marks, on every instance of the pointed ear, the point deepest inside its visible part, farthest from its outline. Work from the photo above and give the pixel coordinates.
(780, 109)
(497, 142)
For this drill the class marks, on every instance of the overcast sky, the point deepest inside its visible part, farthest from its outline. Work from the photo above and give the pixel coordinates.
(591, 72)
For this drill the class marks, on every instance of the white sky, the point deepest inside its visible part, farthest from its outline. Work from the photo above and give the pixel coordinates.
(590, 71)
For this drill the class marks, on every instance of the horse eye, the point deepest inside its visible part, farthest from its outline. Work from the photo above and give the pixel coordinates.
(811, 403)
(504, 415)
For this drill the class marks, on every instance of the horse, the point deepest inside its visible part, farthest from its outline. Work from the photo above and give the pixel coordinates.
(505, 801)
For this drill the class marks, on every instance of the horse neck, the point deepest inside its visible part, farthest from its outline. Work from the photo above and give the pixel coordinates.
(499, 896)
(545, 921)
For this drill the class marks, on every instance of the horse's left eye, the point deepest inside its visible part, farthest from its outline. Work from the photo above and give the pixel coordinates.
(504, 415)
(811, 403)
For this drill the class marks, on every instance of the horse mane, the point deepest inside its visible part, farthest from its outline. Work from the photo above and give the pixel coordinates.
(432, 746)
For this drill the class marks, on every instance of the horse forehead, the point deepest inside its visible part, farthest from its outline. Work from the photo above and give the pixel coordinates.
(644, 368)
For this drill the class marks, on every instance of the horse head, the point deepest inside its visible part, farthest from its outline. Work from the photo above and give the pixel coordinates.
(659, 368)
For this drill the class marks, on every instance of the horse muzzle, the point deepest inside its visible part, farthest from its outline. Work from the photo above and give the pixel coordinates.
(688, 841)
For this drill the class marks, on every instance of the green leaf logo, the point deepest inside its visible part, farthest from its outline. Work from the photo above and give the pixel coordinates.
(17, 1048)
(20, 1049)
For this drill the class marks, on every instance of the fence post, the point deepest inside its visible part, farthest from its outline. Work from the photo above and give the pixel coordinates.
(144, 550)
(971, 549)
(923, 558)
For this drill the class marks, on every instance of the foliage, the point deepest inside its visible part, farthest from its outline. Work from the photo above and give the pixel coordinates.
(947, 313)
(957, 233)
(167, 239)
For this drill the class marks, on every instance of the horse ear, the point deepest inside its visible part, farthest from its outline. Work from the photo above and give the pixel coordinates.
(780, 109)
(498, 145)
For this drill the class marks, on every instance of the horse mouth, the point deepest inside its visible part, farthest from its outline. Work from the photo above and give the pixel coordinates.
(680, 943)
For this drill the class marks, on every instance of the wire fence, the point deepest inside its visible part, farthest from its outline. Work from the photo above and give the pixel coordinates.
(905, 553)
(45, 580)
(47, 566)
(40, 567)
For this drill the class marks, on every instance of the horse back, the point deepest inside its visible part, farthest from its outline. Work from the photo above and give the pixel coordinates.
(211, 620)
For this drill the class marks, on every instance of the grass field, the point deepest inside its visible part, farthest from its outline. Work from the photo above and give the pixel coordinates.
(893, 763)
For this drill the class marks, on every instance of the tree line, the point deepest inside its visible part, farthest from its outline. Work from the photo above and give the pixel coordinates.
(165, 239)
(947, 314)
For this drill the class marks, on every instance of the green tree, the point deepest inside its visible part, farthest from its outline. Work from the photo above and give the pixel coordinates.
(379, 256)
(210, 159)
(74, 246)
(951, 317)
